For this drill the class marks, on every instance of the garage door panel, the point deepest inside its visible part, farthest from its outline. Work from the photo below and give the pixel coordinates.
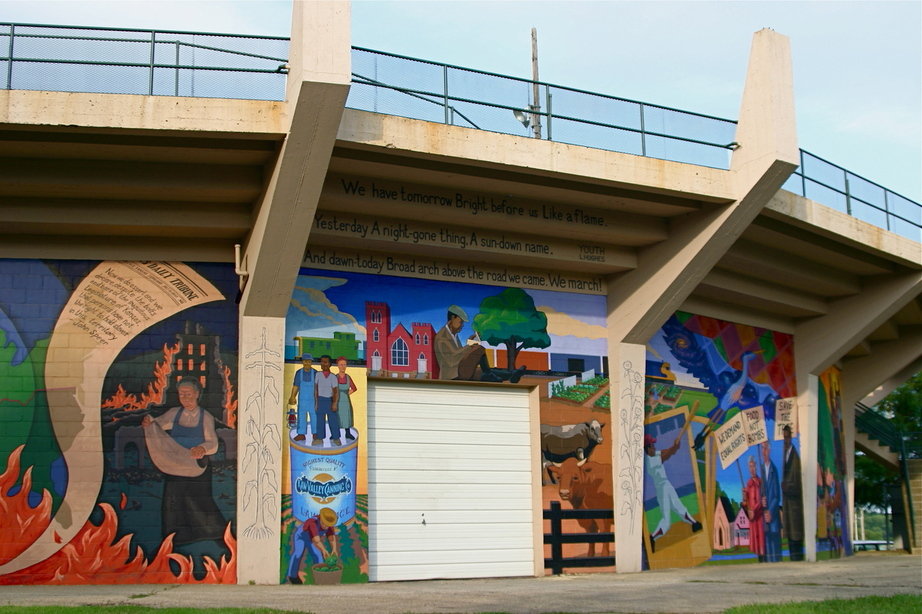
(403, 516)
(434, 395)
(411, 412)
(402, 435)
(462, 494)
(392, 573)
(450, 555)
(454, 531)
(460, 459)
(454, 463)
(430, 451)
(425, 475)
(450, 422)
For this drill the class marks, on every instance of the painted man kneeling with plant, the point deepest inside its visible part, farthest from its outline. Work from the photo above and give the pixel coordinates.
(310, 536)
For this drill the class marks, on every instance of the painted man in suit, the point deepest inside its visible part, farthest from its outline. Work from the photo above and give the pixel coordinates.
(771, 504)
(792, 495)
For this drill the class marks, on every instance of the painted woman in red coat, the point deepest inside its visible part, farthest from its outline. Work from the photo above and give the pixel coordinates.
(752, 496)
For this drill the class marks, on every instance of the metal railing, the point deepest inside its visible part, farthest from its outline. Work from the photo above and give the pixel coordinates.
(210, 65)
(837, 187)
(421, 89)
(878, 427)
(145, 62)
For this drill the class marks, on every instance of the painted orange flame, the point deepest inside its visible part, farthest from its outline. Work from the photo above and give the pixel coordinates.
(154, 395)
(94, 556)
(230, 403)
(21, 524)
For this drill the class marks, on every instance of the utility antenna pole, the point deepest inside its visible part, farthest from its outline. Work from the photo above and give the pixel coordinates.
(536, 105)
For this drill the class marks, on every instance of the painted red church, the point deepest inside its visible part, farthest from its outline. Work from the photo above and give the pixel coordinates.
(398, 352)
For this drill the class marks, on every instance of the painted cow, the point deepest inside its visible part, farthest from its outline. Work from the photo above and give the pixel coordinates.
(558, 443)
(587, 485)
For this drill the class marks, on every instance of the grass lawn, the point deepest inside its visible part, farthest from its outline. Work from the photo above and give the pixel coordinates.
(898, 604)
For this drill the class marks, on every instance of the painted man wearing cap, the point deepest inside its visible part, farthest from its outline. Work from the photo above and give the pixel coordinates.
(460, 360)
(309, 537)
(666, 496)
(326, 396)
(304, 380)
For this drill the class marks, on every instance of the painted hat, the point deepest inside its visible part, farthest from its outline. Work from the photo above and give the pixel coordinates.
(307, 357)
(328, 517)
(455, 310)
(648, 440)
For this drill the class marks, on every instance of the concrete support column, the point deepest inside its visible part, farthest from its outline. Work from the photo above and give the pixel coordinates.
(318, 84)
(848, 433)
(260, 432)
(808, 386)
(626, 366)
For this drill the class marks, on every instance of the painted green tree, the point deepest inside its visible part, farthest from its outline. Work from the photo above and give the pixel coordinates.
(510, 318)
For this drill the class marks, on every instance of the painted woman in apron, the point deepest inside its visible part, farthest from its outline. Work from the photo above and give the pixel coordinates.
(179, 443)
(344, 404)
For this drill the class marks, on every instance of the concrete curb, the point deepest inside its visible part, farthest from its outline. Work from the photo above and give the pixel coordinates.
(699, 589)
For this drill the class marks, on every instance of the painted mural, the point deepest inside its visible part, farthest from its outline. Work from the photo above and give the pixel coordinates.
(118, 408)
(343, 327)
(832, 528)
(722, 479)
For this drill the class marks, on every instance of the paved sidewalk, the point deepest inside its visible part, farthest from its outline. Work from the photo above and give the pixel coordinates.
(700, 589)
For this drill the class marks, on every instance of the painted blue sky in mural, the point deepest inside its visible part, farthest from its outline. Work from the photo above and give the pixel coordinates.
(328, 301)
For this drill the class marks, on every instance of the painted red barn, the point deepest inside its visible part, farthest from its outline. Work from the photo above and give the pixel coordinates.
(396, 351)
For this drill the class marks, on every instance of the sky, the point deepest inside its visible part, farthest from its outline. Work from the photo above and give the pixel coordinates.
(857, 64)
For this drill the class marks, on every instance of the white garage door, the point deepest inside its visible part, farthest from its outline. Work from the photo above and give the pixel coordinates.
(451, 492)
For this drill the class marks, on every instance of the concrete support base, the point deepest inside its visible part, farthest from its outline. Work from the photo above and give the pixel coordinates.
(627, 362)
(260, 431)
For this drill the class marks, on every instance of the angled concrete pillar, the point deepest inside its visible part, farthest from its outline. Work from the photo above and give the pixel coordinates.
(640, 300)
(862, 375)
(887, 382)
(318, 83)
(669, 271)
(823, 340)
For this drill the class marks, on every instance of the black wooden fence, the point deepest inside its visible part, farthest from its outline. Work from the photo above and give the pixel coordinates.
(557, 538)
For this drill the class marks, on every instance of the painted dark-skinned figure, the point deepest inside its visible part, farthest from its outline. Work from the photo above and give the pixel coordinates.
(792, 498)
(180, 442)
(466, 361)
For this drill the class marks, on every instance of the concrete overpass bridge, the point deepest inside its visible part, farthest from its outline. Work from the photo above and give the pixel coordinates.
(134, 176)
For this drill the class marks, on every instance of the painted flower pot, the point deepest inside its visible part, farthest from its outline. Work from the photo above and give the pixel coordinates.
(326, 576)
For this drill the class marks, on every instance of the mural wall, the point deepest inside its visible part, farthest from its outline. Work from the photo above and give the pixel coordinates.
(832, 528)
(345, 326)
(118, 409)
(722, 465)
